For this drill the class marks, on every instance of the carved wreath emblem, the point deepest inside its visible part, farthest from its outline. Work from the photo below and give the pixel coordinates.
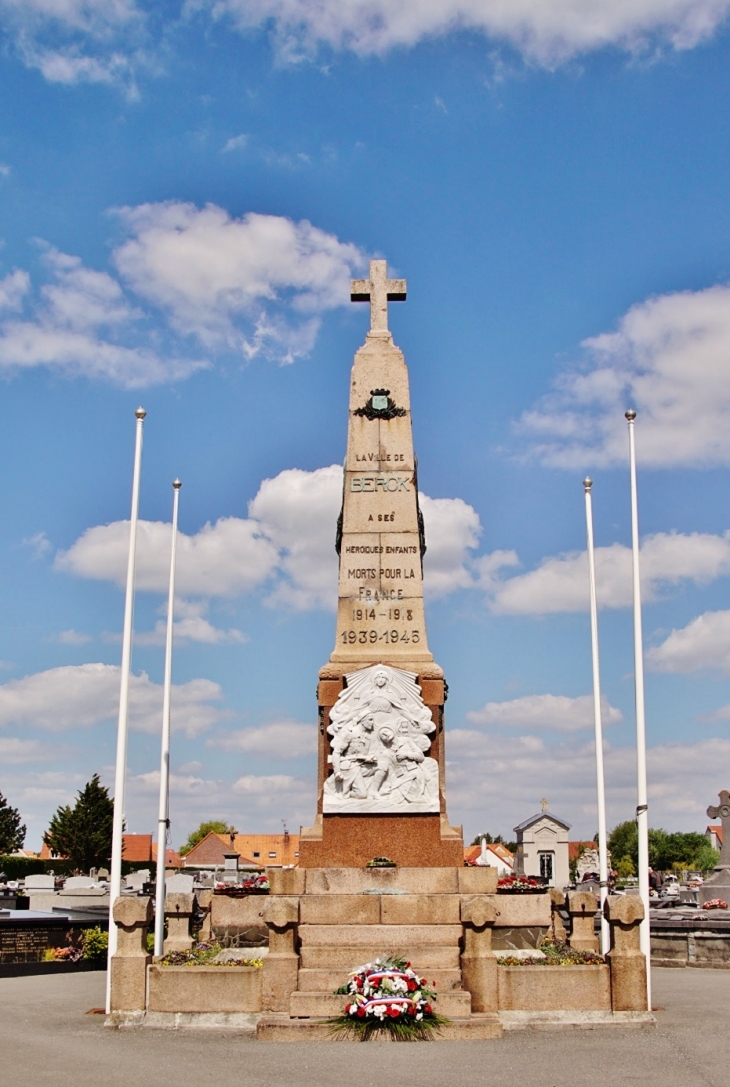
(380, 406)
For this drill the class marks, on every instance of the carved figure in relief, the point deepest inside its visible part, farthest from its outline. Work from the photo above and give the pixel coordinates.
(380, 733)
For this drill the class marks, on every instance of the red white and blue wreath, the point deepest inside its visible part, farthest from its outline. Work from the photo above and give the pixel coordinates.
(387, 996)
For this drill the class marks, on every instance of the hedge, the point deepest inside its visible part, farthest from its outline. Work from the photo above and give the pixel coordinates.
(20, 867)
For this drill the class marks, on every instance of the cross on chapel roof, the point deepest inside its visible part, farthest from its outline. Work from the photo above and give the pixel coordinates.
(378, 291)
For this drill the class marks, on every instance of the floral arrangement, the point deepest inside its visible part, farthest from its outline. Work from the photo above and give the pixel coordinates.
(387, 996)
(203, 954)
(520, 885)
(557, 953)
(715, 904)
(381, 862)
(256, 884)
(62, 954)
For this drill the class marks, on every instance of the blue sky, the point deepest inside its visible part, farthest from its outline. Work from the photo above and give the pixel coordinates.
(186, 190)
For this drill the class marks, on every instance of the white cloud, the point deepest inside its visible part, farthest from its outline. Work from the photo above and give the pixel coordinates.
(224, 559)
(452, 530)
(255, 285)
(544, 31)
(703, 643)
(4, 170)
(298, 511)
(273, 790)
(190, 625)
(682, 779)
(668, 359)
(39, 544)
(85, 695)
(544, 711)
(73, 637)
(73, 41)
(560, 583)
(13, 289)
(236, 143)
(75, 327)
(282, 739)
(288, 541)
(14, 751)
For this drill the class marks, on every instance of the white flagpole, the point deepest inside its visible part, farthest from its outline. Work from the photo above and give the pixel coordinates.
(642, 809)
(598, 723)
(115, 878)
(163, 821)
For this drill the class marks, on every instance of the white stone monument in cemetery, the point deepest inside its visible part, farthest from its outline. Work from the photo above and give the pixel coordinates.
(381, 869)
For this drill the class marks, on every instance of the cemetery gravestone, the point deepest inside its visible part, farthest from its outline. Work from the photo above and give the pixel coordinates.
(39, 882)
(718, 885)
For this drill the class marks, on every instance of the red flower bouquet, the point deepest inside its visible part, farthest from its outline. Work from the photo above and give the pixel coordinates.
(387, 995)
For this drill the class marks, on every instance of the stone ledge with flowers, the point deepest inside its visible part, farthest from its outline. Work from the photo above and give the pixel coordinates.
(322, 922)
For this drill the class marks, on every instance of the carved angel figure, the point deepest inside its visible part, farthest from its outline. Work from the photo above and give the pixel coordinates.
(380, 734)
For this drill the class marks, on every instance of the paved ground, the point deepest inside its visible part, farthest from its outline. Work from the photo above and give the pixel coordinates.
(46, 1038)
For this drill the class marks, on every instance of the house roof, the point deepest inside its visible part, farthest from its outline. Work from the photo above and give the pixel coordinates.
(137, 847)
(471, 852)
(255, 850)
(536, 818)
(575, 849)
(172, 857)
(717, 831)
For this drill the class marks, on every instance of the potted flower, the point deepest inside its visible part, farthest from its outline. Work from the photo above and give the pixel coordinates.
(520, 885)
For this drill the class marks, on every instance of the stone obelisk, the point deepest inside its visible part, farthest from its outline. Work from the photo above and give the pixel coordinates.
(381, 696)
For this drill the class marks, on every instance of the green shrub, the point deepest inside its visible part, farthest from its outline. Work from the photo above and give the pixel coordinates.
(95, 943)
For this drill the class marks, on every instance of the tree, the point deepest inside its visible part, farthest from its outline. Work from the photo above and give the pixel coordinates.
(625, 868)
(84, 833)
(499, 840)
(666, 850)
(705, 858)
(12, 832)
(215, 825)
(623, 841)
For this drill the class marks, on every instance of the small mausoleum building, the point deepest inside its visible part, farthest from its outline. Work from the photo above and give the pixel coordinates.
(543, 849)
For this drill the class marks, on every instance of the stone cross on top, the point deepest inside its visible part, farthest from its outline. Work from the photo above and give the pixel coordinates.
(722, 811)
(378, 291)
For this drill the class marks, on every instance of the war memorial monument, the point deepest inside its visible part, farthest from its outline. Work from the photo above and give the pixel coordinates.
(381, 795)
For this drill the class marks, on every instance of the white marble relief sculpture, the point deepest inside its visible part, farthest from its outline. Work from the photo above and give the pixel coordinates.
(380, 732)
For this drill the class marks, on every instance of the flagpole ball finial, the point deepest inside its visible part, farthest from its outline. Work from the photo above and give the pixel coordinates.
(630, 415)
(140, 413)
(587, 483)
(177, 484)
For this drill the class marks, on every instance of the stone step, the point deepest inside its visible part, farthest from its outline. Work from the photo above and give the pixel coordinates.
(280, 1028)
(308, 1005)
(347, 958)
(330, 979)
(389, 938)
(410, 880)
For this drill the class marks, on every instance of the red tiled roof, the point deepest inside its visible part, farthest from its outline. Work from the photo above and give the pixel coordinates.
(576, 848)
(717, 831)
(137, 847)
(275, 850)
(471, 852)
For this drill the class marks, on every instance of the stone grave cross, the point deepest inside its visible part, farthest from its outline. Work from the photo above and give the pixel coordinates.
(378, 291)
(722, 811)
